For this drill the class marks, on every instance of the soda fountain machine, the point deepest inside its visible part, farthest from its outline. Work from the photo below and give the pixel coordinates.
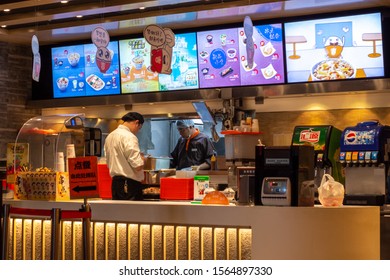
(281, 172)
(326, 142)
(364, 152)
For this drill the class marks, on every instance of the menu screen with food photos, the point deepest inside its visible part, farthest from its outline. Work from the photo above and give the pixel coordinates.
(218, 58)
(76, 73)
(135, 68)
(347, 47)
(223, 59)
(268, 65)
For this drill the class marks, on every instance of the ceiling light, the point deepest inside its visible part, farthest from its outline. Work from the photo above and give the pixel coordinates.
(64, 2)
(142, 8)
(7, 10)
(4, 26)
(79, 16)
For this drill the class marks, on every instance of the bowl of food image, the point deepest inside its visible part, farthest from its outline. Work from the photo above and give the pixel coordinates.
(332, 69)
(138, 62)
(62, 83)
(73, 58)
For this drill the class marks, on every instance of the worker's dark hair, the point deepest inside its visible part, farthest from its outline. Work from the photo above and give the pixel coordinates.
(133, 116)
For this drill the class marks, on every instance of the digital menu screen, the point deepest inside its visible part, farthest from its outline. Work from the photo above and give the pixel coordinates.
(136, 75)
(336, 48)
(222, 57)
(268, 66)
(76, 74)
(184, 65)
(218, 58)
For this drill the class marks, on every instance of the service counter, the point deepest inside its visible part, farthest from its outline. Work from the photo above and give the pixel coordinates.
(181, 230)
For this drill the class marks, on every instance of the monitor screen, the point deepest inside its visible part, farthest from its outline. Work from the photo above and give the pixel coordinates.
(76, 74)
(204, 112)
(136, 73)
(336, 48)
(222, 57)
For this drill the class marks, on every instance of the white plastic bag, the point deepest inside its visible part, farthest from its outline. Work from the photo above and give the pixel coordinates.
(330, 192)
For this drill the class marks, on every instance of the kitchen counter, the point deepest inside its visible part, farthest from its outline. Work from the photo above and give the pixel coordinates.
(181, 230)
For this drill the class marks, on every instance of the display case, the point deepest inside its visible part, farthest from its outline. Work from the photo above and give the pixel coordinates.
(47, 142)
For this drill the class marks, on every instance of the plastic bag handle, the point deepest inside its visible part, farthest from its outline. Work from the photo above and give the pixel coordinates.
(326, 176)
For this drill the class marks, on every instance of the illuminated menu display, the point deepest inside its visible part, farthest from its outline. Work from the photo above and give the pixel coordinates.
(268, 66)
(75, 72)
(184, 65)
(218, 58)
(222, 57)
(337, 48)
(136, 73)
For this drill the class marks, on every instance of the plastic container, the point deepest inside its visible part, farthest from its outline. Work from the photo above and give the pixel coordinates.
(177, 188)
(104, 182)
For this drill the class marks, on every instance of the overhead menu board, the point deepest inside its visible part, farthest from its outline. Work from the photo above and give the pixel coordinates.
(222, 57)
(268, 66)
(76, 74)
(336, 48)
(136, 73)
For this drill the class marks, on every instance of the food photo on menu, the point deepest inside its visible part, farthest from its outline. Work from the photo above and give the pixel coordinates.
(135, 68)
(68, 71)
(184, 65)
(76, 74)
(267, 66)
(347, 47)
(218, 58)
(98, 82)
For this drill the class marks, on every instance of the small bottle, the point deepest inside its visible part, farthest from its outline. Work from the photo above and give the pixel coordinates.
(213, 162)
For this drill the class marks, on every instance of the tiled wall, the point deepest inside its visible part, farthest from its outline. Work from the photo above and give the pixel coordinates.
(15, 89)
(284, 122)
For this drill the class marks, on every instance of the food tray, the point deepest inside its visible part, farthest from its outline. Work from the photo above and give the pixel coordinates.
(95, 82)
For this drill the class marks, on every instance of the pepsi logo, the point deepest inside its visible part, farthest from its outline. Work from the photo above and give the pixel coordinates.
(350, 137)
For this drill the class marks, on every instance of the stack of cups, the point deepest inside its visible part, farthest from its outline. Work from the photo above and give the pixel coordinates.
(70, 153)
(60, 162)
(255, 125)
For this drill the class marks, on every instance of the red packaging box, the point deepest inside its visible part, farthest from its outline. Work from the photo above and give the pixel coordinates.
(177, 188)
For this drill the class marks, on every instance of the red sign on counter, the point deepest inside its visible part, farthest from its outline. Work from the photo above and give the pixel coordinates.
(83, 177)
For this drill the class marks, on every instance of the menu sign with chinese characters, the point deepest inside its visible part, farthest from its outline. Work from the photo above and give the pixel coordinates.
(223, 58)
(267, 67)
(136, 72)
(184, 65)
(218, 58)
(76, 74)
(83, 177)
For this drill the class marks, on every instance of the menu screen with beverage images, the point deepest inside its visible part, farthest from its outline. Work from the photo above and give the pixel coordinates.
(223, 59)
(337, 48)
(76, 72)
(218, 58)
(184, 65)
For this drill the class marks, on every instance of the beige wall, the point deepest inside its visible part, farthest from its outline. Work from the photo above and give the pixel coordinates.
(272, 123)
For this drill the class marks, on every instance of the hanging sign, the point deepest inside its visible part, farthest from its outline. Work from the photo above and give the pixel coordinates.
(83, 177)
(101, 39)
(162, 40)
(36, 58)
